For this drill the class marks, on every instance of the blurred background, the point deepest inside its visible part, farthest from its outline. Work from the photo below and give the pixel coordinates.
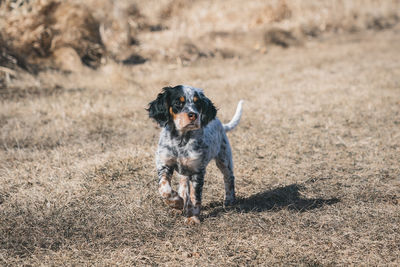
(73, 35)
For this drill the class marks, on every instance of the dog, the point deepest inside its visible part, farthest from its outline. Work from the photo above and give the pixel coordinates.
(190, 138)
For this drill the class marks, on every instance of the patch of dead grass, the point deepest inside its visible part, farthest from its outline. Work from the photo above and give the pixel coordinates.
(60, 34)
(37, 30)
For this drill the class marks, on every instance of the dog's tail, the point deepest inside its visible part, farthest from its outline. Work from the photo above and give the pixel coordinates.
(236, 118)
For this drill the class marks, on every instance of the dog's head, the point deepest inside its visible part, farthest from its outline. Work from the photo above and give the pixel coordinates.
(183, 107)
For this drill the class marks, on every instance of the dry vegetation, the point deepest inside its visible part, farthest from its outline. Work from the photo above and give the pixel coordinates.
(317, 153)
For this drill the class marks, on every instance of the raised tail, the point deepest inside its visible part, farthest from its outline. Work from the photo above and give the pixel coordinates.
(236, 118)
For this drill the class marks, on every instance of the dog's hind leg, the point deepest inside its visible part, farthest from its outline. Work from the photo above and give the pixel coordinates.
(225, 164)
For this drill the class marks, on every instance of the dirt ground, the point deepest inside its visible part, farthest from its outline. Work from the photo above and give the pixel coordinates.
(317, 161)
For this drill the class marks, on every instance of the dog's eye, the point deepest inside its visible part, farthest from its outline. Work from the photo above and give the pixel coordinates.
(181, 101)
(197, 104)
(178, 103)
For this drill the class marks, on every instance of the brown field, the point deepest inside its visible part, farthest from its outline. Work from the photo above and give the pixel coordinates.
(317, 153)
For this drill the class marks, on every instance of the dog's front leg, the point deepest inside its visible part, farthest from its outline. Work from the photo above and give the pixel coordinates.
(171, 197)
(184, 190)
(192, 209)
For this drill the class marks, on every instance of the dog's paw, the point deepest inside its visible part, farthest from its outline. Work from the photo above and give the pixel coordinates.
(229, 202)
(192, 220)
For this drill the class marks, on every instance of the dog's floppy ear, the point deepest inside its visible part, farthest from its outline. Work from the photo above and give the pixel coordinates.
(158, 108)
(208, 110)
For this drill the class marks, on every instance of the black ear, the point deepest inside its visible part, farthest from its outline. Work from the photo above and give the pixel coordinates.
(208, 110)
(158, 108)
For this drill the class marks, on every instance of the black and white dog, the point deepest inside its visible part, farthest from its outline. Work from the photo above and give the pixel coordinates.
(191, 137)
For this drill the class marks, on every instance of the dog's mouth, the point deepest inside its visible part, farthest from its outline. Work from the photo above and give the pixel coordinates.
(192, 126)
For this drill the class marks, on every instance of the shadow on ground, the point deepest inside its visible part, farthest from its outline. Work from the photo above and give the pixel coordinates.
(288, 197)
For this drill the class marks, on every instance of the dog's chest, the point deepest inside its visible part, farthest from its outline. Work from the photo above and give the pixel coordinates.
(191, 160)
(186, 160)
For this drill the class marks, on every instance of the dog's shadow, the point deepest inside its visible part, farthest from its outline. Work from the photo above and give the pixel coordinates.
(288, 197)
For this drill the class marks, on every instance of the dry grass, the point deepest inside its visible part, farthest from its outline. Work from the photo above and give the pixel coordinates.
(316, 155)
(38, 29)
(197, 29)
(61, 34)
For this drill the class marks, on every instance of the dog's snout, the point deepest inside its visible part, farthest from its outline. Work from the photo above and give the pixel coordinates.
(192, 116)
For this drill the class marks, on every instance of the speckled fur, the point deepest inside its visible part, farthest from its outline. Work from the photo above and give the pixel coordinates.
(187, 149)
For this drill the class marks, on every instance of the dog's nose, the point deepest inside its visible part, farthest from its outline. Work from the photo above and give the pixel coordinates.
(192, 116)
